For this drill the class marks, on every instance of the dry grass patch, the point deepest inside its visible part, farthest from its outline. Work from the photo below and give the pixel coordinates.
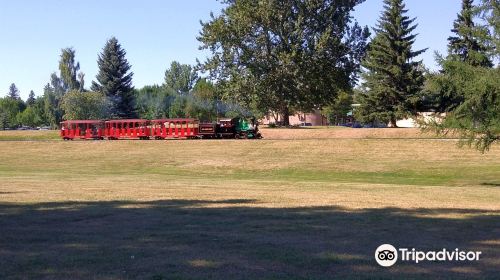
(344, 132)
(20, 135)
(243, 209)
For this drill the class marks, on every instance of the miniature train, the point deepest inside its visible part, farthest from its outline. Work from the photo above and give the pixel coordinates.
(236, 128)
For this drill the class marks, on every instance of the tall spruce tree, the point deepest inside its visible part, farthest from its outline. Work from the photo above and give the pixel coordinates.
(31, 99)
(489, 10)
(115, 80)
(466, 44)
(391, 78)
(13, 92)
(471, 44)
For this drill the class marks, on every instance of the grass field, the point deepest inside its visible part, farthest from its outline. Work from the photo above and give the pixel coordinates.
(288, 209)
(270, 134)
(29, 135)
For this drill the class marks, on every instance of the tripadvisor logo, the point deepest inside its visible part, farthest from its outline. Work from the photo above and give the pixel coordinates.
(387, 255)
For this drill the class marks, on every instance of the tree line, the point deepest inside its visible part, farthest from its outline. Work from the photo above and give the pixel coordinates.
(282, 57)
(111, 95)
(289, 56)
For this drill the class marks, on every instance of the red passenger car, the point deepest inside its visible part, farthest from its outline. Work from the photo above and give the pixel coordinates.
(174, 128)
(82, 129)
(128, 129)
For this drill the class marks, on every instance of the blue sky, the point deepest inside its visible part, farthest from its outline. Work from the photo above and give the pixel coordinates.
(153, 32)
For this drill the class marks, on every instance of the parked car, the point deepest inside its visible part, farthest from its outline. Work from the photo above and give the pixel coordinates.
(24, 128)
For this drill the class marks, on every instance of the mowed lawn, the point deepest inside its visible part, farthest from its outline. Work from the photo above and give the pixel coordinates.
(267, 209)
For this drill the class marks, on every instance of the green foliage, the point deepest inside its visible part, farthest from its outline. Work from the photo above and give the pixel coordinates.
(471, 44)
(69, 68)
(180, 77)
(283, 55)
(13, 92)
(468, 86)
(339, 109)
(489, 10)
(31, 99)
(466, 44)
(115, 81)
(52, 96)
(392, 80)
(178, 107)
(29, 117)
(477, 118)
(39, 109)
(9, 108)
(437, 94)
(202, 103)
(154, 101)
(85, 106)
(161, 101)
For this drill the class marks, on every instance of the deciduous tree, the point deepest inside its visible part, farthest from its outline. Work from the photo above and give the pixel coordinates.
(180, 77)
(283, 56)
(154, 101)
(85, 106)
(68, 68)
(9, 108)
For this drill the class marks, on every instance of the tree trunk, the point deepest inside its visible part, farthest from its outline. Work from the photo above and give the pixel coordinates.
(393, 123)
(286, 116)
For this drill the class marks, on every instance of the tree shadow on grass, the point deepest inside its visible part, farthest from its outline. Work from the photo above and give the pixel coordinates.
(227, 239)
(490, 184)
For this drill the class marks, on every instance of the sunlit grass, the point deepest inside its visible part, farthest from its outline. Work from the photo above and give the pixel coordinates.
(311, 208)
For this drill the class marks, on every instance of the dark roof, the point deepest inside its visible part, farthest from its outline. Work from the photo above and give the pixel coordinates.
(128, 121)
(82, 121)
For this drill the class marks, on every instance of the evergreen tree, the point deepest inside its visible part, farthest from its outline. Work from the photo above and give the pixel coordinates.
(472, 44)
(52, 96)
(466, 44)
(489, 10)
(468, 84)
(115, 80)
(392, 79)
(31, 99)
(13, 92)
